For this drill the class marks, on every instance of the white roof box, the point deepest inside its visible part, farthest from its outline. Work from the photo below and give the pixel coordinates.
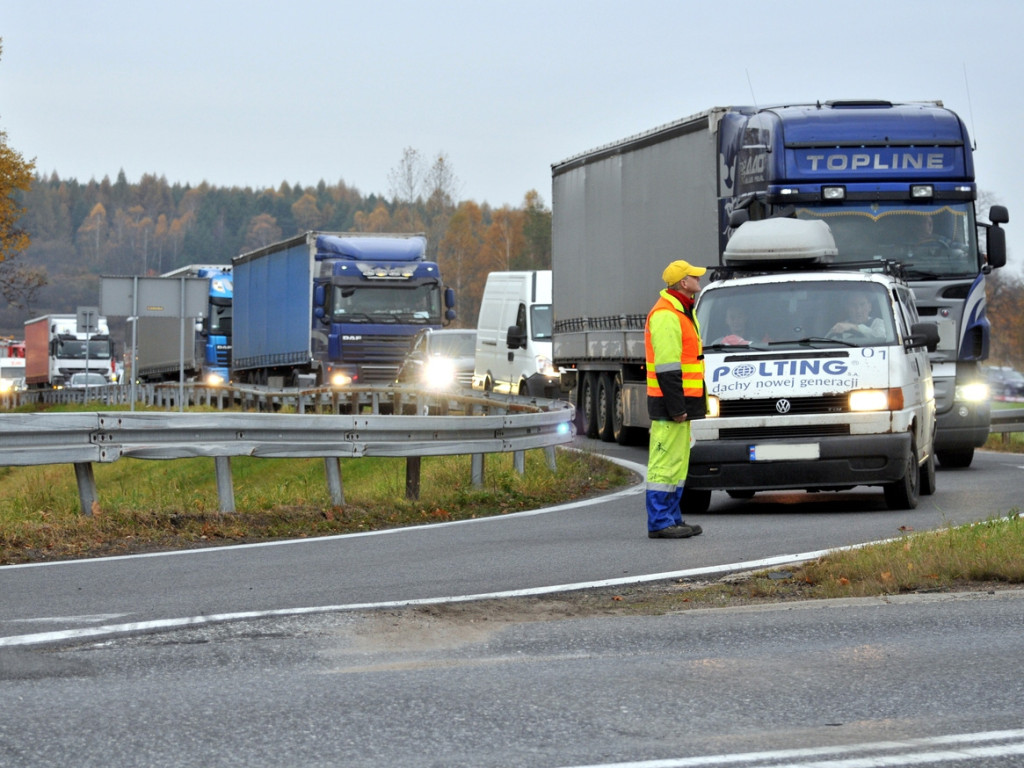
(789, 241)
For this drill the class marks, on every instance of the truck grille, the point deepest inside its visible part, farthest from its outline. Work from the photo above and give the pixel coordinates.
(773, 406)
(378, 357)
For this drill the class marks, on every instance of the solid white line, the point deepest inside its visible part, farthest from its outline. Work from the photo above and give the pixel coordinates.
(915, 753)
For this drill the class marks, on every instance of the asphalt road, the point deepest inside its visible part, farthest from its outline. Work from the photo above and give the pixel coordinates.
(580, 544)
(308, 680)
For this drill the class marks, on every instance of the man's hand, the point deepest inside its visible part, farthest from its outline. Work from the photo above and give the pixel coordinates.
(680, 417)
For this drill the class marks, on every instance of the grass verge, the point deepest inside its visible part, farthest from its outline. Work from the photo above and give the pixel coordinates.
(149, 506)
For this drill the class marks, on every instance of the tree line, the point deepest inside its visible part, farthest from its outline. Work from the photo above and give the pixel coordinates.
(79, 231)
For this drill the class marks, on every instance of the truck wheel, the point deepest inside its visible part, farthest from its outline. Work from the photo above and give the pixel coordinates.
(605, 409)
(694, 502)
(903, 494)
(928, 476)
(588, 405)
(955, 459)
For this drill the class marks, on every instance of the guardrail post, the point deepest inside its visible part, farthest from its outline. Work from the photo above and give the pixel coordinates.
(412, 478)
(332, 467)
(225, 488)
(87, 496)
(519, 462)
(476, 473)
(549, 452)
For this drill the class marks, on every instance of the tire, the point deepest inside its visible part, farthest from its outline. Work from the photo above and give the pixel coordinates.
(588, 405)
(928, 476)
(903, 494)
(694, 502)
(956, 459)
(605, 409)
(741, 494)
(622, 434)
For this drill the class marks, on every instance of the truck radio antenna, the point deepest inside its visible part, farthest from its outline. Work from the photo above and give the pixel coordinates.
(751, 86)
(970, 110)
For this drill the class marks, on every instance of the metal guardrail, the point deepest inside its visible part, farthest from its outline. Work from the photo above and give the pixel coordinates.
(1005, 422)
(486, 425)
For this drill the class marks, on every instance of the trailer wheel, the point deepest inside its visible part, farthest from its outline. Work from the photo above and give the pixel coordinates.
(588, 405)
(622, 434)
(903, 494)
(605, 409)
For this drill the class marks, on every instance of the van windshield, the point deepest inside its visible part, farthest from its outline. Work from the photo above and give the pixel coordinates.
(540, 321)
(796, 315)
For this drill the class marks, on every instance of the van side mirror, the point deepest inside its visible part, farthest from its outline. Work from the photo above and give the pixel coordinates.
(516, 337)
(923, 335)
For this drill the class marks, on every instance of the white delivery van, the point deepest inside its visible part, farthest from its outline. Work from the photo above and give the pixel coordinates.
(513, 338)
(817, 375)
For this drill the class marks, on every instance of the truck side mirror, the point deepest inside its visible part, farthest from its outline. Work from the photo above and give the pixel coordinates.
(449, 299)
(996, 246)
(319, 295)
(923, 335)
(515, 338)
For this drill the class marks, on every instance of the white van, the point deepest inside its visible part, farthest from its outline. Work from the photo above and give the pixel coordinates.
(808, 394)
(513, 339)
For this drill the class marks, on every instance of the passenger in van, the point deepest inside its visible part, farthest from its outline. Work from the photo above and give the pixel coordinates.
(858, 318)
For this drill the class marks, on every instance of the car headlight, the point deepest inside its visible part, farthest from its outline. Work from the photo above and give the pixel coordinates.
(439, 373)
(214, 379)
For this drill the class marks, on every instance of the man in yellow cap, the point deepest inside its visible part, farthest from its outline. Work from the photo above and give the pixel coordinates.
(676, 395)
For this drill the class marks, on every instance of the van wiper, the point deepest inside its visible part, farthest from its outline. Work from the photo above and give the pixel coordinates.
(808, 341)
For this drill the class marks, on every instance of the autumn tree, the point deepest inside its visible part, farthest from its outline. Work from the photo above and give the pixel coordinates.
(262, 231)
(16, 282)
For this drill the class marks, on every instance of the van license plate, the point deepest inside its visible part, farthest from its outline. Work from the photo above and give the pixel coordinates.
(784, 451)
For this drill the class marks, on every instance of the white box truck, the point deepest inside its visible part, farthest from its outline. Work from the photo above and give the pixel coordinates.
(513, 340)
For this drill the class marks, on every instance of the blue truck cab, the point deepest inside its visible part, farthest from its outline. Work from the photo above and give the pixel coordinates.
(336, 309)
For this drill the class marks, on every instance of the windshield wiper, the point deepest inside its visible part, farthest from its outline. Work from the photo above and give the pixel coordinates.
(807, 341)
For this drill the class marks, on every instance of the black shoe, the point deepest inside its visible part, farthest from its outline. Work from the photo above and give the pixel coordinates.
(673, 532)
(697, 530)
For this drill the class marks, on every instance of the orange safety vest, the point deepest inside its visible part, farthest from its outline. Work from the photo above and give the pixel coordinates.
(678, 348)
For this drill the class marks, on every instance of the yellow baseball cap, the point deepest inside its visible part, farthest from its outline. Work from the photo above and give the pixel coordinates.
(677, 270)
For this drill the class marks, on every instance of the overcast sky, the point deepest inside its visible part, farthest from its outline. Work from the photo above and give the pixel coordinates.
(253, 93)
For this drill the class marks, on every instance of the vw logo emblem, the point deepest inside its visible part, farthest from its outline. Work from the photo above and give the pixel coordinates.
(783, 405)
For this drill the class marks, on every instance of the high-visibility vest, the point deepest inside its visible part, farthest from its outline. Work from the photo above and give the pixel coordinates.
(678, 348)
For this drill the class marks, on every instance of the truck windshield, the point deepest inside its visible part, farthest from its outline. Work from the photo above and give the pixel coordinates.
(74, 349)
(796, 315)
(931, 241)
(386, 303)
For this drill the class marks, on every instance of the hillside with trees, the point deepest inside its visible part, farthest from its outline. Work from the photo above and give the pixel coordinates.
(80, 231)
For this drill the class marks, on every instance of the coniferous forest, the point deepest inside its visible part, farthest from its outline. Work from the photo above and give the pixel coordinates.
(81, 231)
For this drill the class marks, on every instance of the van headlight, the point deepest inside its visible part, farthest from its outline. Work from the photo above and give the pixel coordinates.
(714, 407)
(545, 366)
(876, 400)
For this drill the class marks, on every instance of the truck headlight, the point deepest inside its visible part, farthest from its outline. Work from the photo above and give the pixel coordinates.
(975, 392)
(340, 379)
(214, 379)
(439, 373)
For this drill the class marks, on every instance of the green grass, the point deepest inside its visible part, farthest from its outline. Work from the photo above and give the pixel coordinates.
(147, 505)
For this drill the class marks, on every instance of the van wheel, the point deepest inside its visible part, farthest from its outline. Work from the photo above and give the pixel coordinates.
(488, 384)
(588, 405)
(741, 494)
(928, 476)
(605, 409)
(903, 494)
